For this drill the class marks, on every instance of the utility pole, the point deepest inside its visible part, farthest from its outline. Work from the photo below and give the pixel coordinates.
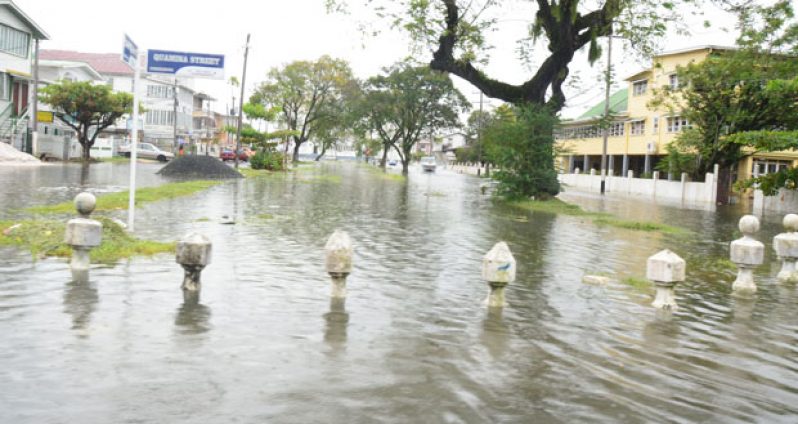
(35, 118)
(608, 82)
(174, 117)
(241, 100)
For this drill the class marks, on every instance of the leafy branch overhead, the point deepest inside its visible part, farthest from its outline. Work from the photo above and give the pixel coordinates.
(455, 33)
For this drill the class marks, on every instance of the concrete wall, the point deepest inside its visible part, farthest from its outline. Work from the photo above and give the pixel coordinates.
(679, 193)
(785, 201)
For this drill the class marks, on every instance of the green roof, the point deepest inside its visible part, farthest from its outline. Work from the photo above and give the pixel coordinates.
(618, 103)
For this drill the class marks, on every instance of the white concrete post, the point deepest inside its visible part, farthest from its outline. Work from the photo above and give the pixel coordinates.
(193, 254)
(338, 261)
(654, 179)
(82, 234)
(684, 185)
(747, 254)
(786, 247)
(498, 269)
(665, 269)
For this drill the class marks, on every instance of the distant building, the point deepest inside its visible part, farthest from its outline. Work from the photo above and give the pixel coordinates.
(171, 108)
(638, 133)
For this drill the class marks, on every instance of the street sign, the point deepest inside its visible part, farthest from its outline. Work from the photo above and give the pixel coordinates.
(44, 116)
(182, 64)
(130, 52)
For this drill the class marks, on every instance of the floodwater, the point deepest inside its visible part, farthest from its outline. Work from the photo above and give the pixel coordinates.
(413, 342)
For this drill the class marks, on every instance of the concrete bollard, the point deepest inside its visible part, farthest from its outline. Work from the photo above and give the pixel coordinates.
(83, 233)
(747, 254)
(665, 269)
(338, 261)
(498, 269)
(786, 247)
(193, 254)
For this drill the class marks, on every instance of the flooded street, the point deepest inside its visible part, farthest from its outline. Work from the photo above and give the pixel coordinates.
(413, 341)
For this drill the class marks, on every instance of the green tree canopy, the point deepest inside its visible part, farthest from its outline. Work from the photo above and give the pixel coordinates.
(409, 101)
(86, 108)
(308, 94)
(456, 33)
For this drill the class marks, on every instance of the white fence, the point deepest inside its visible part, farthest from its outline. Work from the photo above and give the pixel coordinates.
(65, 148)
(682, 193)
(785, 201)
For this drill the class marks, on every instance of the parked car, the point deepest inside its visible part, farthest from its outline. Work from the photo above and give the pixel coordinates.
(227, 154)
(147, 151)
(392, 162)
(428, 164)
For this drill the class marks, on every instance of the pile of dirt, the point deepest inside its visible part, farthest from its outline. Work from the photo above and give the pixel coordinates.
(199, 168)
(11, 156)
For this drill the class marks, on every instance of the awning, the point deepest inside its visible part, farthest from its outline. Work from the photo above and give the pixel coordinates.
(19, 74)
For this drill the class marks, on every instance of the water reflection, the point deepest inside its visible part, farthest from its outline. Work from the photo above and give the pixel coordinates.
(495, 334)
(80, 301)
(192, 316)
(663, 331)
(337, 320)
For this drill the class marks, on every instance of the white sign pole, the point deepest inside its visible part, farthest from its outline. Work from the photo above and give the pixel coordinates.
(131, 207)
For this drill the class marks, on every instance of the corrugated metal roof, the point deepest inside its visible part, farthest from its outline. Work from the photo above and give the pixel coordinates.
(618, 104)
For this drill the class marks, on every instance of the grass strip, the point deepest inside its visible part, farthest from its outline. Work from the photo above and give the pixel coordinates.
(557, 206)
(44, 238)
(384, 174)
(119, 200)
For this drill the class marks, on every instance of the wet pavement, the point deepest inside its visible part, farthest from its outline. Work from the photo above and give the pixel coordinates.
(413, 341)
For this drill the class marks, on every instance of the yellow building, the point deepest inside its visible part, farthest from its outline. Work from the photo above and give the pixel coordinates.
(639, 134)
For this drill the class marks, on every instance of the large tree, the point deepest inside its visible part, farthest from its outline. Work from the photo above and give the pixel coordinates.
(409, 101)
(307, 93)
(86, 108)
(456, 34)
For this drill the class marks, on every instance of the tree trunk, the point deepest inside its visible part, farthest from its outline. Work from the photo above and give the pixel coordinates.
(323, 151)
(86, 151)
(405, 165)
(384, 157)
(295, 157)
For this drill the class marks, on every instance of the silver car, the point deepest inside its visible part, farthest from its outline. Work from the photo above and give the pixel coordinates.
(149, 151)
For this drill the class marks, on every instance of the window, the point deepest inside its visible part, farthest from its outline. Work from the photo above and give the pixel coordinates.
(14, 41)
(637, 127)
(677, 124)
(655, 125)
(673, 81)
(765, 166)
(639, 87)
(160, 91)
(616, 129)
(160, 117)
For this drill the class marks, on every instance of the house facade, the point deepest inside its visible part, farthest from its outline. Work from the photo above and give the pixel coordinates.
(639, 133)
(18, 35)
(173, 108)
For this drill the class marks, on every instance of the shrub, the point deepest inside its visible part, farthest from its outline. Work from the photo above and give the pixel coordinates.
(265, 159)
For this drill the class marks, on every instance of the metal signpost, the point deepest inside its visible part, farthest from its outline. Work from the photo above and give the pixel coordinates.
(130, 55)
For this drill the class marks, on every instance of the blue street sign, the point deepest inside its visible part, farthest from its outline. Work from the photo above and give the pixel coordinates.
(195, 65)
(130, 51)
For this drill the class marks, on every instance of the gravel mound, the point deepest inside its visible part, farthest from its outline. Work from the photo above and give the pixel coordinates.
(11, 156)
(198, 167)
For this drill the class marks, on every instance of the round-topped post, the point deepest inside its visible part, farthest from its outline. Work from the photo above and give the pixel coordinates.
(338, 261)
(786, 247)
(665, 269)
(83, 233)
(193, 254)
(498, 269)
(747, 253)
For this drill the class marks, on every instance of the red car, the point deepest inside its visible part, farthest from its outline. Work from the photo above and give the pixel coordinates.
(227, 154)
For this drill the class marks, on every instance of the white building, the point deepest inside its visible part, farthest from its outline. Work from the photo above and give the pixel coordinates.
(17, 35)
(160, 95)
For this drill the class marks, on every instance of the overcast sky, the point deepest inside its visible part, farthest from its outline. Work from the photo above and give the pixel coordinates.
(284, 31)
